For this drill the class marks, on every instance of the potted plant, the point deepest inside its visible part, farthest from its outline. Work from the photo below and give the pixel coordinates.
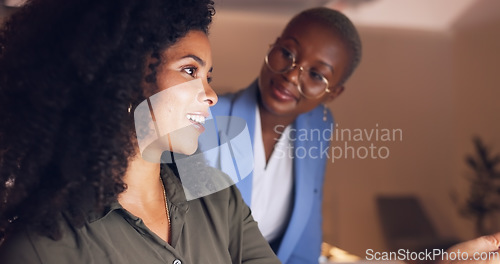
(483, 199)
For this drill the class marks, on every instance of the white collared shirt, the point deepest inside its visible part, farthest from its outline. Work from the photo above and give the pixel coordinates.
(272, 185)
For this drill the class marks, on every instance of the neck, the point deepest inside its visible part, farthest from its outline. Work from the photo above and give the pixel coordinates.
(143, 181)
(145, 196)
(272, 127)
(271, 123)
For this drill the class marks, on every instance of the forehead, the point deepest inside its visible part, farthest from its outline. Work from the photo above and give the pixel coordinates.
(313, 32)
(195, 42)
(317, 41)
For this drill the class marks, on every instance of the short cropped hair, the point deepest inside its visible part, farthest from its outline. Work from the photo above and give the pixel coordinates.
(341, 25)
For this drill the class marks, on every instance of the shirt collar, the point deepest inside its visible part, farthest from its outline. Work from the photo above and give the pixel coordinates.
(174, 191)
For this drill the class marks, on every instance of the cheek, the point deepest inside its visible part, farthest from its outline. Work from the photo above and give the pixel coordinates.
(167, 109)
(171, 105)
(264, 78)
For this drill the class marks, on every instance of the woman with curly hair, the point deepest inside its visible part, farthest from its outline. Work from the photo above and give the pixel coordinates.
(74, 186)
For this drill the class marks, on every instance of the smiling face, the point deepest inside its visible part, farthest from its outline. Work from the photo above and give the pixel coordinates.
(315, 47)
(180, 102)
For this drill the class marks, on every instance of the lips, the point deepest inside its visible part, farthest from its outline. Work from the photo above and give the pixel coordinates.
(198, 120)
(281, 93)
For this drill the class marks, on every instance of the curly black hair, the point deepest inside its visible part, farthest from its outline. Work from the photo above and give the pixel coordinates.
(69, 71)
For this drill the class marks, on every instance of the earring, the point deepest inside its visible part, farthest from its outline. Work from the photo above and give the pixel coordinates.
(129, 108)
(324, 113)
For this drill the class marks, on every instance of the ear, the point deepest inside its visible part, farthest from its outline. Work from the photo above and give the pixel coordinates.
(148, 82)
(152, 63)
(333, 94)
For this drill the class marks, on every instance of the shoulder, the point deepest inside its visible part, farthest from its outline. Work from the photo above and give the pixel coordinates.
(315, 120)
(220, 185)
(27, 246)
(18, 248)
(224, 205)
(222, 195)
(203, 181)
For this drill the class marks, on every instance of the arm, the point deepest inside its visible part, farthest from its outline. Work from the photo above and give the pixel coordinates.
(309, 174)
(255, 247)
(245, 235)
(485, 247)
(308, 247)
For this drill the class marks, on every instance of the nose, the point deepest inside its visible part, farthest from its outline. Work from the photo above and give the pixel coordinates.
(210, 95)
(293, 74)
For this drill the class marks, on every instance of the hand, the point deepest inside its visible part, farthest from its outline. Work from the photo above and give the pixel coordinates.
(483, 249)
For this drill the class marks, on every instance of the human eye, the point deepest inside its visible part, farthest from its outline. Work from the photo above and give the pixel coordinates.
(190, 70)
(315, 75)
(209, 74)
(286, 54)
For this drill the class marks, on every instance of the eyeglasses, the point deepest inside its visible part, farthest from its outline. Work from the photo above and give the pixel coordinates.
(312, 84)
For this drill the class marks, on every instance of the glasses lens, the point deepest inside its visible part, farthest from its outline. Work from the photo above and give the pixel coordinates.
(279, 59)
(313, 84)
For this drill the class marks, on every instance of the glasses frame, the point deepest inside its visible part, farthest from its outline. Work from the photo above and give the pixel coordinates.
(301, 69)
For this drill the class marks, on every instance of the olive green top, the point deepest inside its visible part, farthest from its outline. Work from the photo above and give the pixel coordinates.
(217, 228)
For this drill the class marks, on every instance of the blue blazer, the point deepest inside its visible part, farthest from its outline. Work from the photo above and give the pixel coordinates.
(301, 242)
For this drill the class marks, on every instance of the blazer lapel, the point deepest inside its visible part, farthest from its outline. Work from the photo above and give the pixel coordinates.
(304, 192)
(244, 107)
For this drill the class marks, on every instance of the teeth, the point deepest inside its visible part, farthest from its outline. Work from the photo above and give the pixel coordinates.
(196, 118)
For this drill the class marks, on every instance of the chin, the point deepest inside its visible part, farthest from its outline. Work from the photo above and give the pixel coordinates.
(188, 150)
(186, 143)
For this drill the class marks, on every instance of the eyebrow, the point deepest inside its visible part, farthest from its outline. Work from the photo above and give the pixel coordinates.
(197, 59)
(328, 65)
(295, 40)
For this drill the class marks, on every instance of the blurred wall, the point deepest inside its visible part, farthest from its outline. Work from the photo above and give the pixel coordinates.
(240, 41)
(477, 94)
(438, 88)
(404, 82)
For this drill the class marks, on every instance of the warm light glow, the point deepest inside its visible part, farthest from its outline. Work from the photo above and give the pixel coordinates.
(336, 254)
(421, 14)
